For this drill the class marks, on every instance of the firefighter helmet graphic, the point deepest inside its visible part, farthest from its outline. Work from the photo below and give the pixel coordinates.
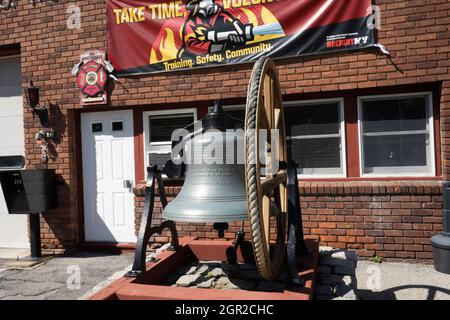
(210, 28)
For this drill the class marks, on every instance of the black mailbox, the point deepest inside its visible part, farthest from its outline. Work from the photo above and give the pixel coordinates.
(29, 191)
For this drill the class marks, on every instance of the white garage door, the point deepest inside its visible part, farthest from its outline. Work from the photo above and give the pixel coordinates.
(13, 229)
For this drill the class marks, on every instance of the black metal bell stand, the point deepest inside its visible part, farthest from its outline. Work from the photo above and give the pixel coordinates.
(146, 230)
(35, 236)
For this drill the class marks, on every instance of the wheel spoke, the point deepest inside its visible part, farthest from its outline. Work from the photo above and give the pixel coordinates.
(265, 122)
(266, 218)
(269, 98)
(278, 103)
(278, 119)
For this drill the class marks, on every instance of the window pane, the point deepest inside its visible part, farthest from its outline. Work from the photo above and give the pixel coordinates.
(315, 153)
(97, 127)
(158, 159)
(162, 127)
(312, 120)
(395, 151)
(238, 114)
(395, 115)
(117, 126)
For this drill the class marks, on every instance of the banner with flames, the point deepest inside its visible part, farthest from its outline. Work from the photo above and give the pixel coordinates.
(149, 36)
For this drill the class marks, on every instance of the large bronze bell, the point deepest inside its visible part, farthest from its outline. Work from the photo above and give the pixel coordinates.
(213, 191)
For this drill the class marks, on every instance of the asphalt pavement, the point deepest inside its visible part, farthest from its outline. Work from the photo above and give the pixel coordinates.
(401, 281)
(62, 278)
(80, 275)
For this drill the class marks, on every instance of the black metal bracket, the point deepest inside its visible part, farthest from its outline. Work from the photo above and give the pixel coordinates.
(296, 242)
(231, 252)
(35, 235)
(146, 230)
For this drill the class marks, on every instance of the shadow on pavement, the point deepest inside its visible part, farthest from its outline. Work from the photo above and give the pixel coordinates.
(389, 294)
(336, 275)
(91, 254)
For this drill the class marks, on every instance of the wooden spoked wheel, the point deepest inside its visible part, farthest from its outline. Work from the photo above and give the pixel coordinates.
(265, 181)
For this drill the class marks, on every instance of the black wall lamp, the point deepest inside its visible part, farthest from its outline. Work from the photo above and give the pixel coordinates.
(44, 136)
(32, 95)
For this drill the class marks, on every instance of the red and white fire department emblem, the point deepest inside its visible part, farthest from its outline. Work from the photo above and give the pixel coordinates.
(93, 74)
(92, 79)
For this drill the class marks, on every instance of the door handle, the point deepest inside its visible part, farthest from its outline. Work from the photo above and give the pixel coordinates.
(128, 184)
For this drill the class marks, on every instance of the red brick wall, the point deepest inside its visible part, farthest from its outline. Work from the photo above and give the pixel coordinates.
(416, 33)
(388, 219)
(394, 220)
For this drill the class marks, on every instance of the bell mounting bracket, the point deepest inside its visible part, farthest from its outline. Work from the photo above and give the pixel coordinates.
(146, 231)
(296, 241)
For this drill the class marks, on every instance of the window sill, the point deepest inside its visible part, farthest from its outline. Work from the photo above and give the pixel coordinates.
(431, 186)
(375, 187)
(372, 178)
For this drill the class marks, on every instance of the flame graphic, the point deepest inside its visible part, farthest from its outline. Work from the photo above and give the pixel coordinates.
(200, 32)
(167, 48)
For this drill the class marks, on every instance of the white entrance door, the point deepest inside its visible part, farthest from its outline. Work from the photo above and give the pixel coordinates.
(13, 228)
(108, 174)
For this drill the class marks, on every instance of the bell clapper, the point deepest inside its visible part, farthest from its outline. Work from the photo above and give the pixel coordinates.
(221, 228)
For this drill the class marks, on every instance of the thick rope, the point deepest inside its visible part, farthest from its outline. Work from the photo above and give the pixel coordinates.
(251, 169)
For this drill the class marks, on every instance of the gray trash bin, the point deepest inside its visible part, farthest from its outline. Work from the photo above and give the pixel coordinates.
(441, 242)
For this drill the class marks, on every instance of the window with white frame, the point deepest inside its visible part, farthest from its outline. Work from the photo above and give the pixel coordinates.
(316, 137)
(396, 135)
(158, 129)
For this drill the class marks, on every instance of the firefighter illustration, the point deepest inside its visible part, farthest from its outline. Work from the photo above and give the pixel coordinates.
(209, 28)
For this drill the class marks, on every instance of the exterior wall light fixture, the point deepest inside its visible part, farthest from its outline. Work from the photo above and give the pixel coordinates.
(32, 95)
(44, 136)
